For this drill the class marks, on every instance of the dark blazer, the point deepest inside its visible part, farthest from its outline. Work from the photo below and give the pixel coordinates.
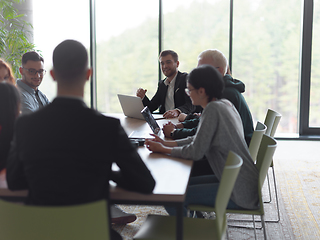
(181, 100)
(63, 154)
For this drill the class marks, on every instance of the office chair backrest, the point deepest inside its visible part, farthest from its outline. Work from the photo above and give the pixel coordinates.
(264, 158)
(256, 140)
(229, 176)
(81, 222)
(272, 121)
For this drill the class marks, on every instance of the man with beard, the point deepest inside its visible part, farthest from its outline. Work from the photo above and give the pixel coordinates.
(170, 97)
(32, 73)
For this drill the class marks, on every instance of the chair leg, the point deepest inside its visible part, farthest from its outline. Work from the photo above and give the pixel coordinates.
(264, 227)
(254, 228)
(277, 200)
(227, 234)
(276, 195)
(244, 220)
(269, 189)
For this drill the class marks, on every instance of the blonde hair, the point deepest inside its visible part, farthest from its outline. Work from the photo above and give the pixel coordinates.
(216, 56)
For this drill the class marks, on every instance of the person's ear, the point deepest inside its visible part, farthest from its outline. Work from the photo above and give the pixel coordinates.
(202, 91)
(222, 71)
(178, 63)
(20, 70)
(88, 74)
(52, 75)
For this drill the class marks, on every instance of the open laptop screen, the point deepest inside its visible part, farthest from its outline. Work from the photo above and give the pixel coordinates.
(146, 113)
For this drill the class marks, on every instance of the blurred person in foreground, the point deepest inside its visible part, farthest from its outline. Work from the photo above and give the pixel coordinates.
(9, 111)
(63, 153)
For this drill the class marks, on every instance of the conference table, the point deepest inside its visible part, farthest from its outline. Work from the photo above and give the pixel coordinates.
(171, 176)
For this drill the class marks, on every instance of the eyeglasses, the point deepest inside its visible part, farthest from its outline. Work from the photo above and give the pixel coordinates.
(188, 91)
(33, 71)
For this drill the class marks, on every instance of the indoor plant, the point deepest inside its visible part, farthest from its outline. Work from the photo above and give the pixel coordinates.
(14, 33)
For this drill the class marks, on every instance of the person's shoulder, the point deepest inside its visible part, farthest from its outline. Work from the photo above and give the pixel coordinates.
(232, 83)
(218, 105)
(230, 93)
(22, 87)
(104, 118)
(43, 95)
(182, 74)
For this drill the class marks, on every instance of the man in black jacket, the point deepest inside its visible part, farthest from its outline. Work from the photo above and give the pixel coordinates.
(170, 97)
(63, 153)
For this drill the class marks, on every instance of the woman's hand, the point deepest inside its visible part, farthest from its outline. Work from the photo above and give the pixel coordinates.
(156, 139)
(154, 146)
(159, 145)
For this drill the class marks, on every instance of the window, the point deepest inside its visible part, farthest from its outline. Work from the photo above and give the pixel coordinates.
(127, 50)
(55, 21)
(190, 27)
(314, 118)
(266, 47)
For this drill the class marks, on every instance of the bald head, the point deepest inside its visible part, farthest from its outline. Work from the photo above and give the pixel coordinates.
(214, 58)
(70, 61)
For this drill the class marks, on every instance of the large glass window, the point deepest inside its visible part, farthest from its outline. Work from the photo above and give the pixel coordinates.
(55, 21)
(266, 57)
(127, 50)
(189, 27)
(314, 119)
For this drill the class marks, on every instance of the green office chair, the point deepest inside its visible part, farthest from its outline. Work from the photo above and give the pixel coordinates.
(256, 140)
(254, 146)
(81, 222)
(264, 158)
(272, 121)
(163, 227)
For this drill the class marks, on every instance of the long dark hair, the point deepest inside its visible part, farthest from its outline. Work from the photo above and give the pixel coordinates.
(9, 111)
(207, 77)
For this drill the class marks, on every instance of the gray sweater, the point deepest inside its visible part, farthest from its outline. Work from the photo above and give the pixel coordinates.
(220, 130)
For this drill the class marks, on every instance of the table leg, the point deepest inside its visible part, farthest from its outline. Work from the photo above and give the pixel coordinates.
(179, 222)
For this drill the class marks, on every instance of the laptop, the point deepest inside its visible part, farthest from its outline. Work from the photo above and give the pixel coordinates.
(132, 107)
(146, 113)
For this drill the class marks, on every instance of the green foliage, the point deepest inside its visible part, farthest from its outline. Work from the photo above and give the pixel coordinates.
(266, 54)
(266, 57)
(13, 34)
